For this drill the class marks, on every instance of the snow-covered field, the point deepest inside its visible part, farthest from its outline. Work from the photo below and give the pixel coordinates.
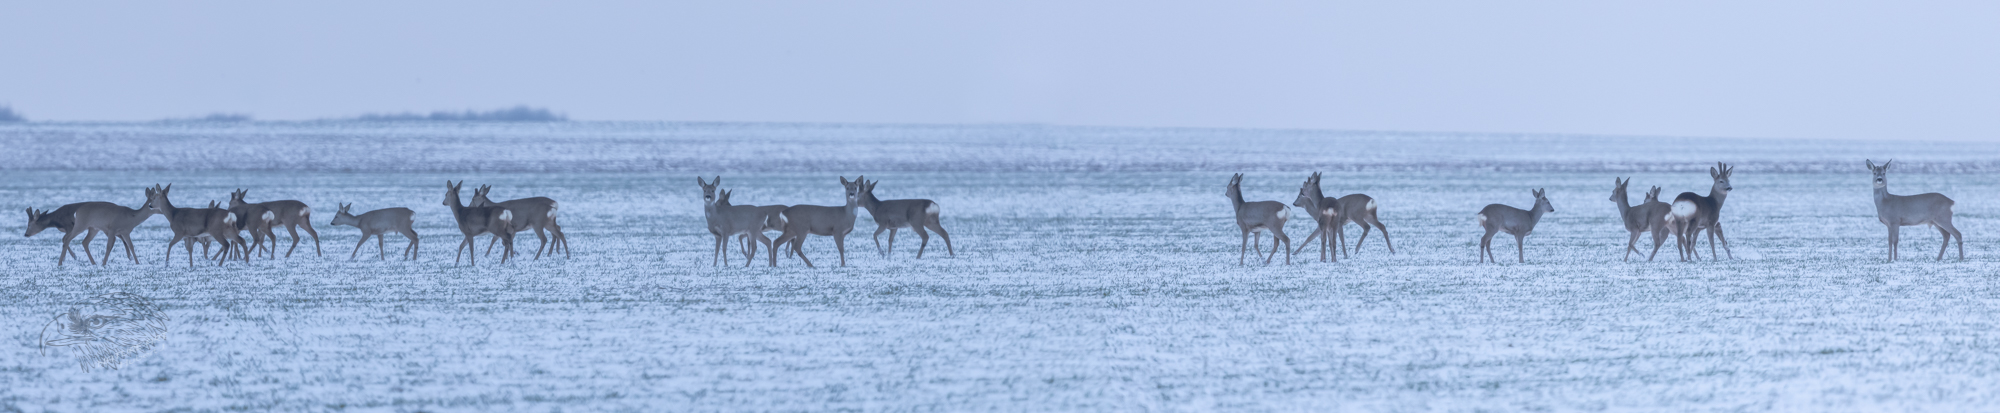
(1095, 270)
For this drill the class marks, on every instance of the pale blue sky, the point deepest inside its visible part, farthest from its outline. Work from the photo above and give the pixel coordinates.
(1816, 69)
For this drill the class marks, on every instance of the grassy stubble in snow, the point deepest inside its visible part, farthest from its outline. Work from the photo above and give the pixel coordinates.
(1069, 291)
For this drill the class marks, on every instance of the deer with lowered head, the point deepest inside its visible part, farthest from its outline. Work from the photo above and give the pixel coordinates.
(1896, 211)
(376, 223)
(894, 214)
(473, 221)
(1497, 218)
(63, 219)
(1267, 216)
(1692, 213)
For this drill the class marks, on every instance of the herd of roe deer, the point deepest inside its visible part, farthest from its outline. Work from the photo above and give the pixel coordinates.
(1685, 219)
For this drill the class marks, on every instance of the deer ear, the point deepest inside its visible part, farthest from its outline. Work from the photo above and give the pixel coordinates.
(1885, 165)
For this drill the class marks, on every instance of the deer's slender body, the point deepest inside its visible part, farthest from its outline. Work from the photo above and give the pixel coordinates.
(286, 213)
(746, 221)
(1325, 214)
(804, 220)
(892, 215)
(1644, 218)
(1360, 210)
(1897, 211)
(1268, 216)
(63, 219)
(376, 223)
(115, 221)
(1694, 213)
(1497, 218)
(537, 213)
(473, 221)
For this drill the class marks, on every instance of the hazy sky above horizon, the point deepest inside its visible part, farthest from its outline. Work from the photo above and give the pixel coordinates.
(1811, 69)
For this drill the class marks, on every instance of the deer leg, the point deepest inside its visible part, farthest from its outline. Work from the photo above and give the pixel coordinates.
(1385, 235)
(892, 242)
(1273, 247)
(1485, 244)
(306, 222)
(1725, 241)
(1658, 238)
(1947, 241)
(937, 227)
(1241, 247)
(1892, 243)
(1288, 245)
(1364, 236)
(190, 252)
(923, 239)
(1628, 246)
(294, 229)
(1256, 243)
(113, 241)
(1521, 248)
(544, 243)
(129, 253)
(507, 241)
(840, 243)
(462, 246)
(878, 241)
(381, 251)
(798, 248)
(1944, 225)
(1311, 237)
(357, 247)
(411, 251)
(1341, 230)
(87, 255)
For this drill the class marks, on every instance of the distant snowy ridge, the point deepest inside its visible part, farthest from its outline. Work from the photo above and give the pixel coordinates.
(773, 147)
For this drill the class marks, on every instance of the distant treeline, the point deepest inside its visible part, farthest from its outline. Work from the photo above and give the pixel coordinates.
(7, 114)
(513, 114)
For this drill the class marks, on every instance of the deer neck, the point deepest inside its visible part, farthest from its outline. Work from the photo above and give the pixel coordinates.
(1881, 193)
(1717, 196)
(1236, 198)
(869, 201)
(1534, 216)
(1624, 206)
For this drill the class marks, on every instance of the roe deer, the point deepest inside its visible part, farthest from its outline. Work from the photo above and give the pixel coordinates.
(1656, 214)
(227, 230)
(746, 221)
(1513, 221)
(804, 220)
(1694, 213)
(1646, 217)
(473, 221)
(191, 224)
(1360, 210)
(115, 221)
(63, 219)
(1259, 216)
(376, 223)
(1325, 212)
(287, 213)
(1897, 211)
(255, 218)
(708, 198)
(915, 214)
(537, 213)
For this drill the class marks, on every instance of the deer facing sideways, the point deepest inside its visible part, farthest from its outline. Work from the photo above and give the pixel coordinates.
(376, 223)
(1498, 218)
(915, 214)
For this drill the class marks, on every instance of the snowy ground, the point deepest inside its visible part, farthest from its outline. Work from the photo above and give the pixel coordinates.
(1095, 270)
